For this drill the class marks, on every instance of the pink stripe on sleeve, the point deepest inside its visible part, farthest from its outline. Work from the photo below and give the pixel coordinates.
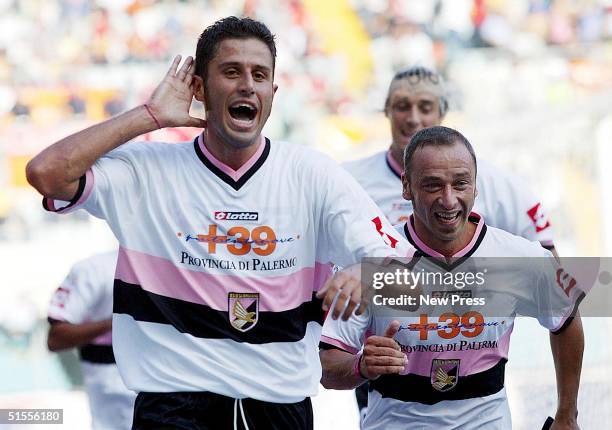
(104, 339)
(339, 344)
(89, 182)
(67, 208)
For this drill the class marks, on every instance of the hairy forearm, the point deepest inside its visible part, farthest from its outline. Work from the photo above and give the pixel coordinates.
(64, 335)
(567, 349)
(56, 170)
(339, 370)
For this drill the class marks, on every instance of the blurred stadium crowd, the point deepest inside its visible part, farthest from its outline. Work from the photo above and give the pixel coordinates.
(91, 58)
(64, 63)
(530, 84)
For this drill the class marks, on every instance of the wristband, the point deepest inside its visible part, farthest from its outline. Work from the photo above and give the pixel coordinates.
(152, 116)
(357, 368)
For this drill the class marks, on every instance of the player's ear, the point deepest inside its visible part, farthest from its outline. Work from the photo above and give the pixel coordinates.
(274, 88)
(198, 88)
(406, 194)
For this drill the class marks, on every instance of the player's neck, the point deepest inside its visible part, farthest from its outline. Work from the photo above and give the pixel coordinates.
(228, 154)
(397, 154)
(446, 248)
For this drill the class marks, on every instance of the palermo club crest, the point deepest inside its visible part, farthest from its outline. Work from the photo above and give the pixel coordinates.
(243, 309)
(444, 374)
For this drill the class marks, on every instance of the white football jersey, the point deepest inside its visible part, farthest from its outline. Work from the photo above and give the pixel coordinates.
(217, 268)
(505, 201)
(454, 377)
(86, 295)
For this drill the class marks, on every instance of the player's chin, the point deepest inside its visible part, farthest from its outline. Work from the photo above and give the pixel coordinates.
(448, 232)
(243, 138)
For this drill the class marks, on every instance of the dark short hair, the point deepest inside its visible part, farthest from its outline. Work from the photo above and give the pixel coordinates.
(435, 136)
(230, 27)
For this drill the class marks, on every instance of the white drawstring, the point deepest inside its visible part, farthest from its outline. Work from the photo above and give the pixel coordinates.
(246, 426)
(236, 403)
(235, 414)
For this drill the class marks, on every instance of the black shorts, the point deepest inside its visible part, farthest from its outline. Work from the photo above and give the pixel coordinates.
(210, 411)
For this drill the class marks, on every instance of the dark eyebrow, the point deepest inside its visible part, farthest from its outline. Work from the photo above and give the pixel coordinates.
(430, 179)
(463, 174)
(239, 65)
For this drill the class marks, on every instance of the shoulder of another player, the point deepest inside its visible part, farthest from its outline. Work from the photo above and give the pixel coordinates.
(511, 245)
(498, 178)
(361, 164)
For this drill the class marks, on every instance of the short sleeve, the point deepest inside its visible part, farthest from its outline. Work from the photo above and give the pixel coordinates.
(76, 296)
(556, 294)
(110, 186)
(347, 335)
(512, 205)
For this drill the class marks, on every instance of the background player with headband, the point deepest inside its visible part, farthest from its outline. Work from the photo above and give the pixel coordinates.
(80, 316)
(417, 98)
(453, 376)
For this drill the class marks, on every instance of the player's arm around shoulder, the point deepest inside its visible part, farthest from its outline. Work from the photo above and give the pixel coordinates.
(55, 172)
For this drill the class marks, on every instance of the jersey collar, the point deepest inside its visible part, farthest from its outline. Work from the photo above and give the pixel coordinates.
(234, 178)
(393, 165)
(436, 257)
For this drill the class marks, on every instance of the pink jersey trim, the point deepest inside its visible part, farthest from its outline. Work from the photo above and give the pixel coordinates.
(234, 174)
(276, 293)
(470, 245)
(434, 253)
(53, 315)
(339, 344)
(472, 361)
(89, 181)
(51, 204)
(104, 339)
(394, 164)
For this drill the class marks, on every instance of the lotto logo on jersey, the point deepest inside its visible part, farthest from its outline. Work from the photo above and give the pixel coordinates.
(444, 374)
(236, 216)
(538, 218)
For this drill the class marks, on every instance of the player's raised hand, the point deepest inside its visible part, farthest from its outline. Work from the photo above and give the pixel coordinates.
(345, 284)
(382, 354)
(171, 100)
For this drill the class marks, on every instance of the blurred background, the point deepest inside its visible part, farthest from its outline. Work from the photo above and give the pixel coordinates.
(531, 88)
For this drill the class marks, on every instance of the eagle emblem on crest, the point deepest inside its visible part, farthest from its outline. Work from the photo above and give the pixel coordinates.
(243, 310)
